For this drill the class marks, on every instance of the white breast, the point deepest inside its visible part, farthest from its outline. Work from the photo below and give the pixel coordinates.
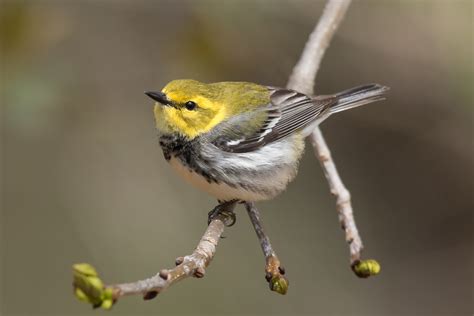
(219, 190)
(258, 175)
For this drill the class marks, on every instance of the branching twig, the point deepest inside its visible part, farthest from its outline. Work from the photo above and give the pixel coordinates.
(306, 69)
(343, 197)
(92, 290)
(273, 270)
(302, 79)
(191, 265)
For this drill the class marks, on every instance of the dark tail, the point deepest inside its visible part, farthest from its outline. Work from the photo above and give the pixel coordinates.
(358, 96)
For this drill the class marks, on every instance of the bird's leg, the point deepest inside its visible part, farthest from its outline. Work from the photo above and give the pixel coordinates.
(225, 208)
(273, 270)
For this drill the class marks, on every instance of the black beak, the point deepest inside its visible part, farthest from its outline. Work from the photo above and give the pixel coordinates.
(158, 97)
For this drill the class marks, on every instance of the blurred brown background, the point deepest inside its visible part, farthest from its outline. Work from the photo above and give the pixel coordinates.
(84, 179)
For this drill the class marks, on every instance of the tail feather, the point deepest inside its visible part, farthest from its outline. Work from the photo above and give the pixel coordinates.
(358, 96)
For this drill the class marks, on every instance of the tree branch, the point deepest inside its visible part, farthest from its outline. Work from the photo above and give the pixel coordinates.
(302, 79)
(274, 272)
(305, 71)
(90, 288)
(191, 265)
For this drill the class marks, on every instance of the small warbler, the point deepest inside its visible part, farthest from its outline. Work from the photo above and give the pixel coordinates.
(240, 141)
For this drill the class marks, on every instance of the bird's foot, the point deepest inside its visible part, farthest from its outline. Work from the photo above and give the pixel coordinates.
(226, 209)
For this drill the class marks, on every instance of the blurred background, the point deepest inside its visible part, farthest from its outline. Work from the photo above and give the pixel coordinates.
(84, 180)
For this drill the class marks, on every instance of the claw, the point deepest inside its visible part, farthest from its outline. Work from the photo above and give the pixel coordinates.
(226, 210)
(230, 218)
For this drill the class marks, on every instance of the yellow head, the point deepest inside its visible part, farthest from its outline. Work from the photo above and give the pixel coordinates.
(190, 107)
(187, 107)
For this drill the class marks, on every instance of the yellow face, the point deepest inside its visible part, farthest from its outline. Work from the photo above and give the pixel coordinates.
(189, 109)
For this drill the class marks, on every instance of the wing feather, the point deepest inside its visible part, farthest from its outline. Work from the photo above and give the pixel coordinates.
(287, 112)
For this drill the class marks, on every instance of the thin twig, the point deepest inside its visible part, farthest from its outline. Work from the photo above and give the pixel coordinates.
(89, 287)
(343, 197)
(302, 79)
(304, 73)
(274, 272)
(191, 265)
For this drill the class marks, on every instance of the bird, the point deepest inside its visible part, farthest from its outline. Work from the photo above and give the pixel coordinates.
(242, 141)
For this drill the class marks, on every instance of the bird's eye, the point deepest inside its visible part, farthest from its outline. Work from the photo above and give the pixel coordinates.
(190, 105)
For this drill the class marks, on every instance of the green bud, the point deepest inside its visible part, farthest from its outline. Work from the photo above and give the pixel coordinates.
(96, 284)
(88, 287)
(108, 293)
(107, 304)
(84, 269)
(81, 295)
(279, 284)
(366, 268)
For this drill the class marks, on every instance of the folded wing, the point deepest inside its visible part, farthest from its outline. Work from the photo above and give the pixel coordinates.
(288, 112)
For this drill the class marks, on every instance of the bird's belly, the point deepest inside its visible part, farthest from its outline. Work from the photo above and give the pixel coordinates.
(221, 190)
(251, 176)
